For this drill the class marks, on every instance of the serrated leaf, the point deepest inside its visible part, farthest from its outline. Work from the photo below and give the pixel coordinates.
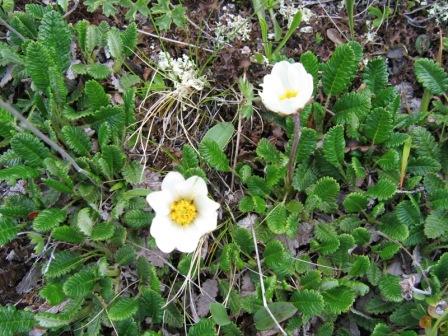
(103, 231)
(30, 149)
(115, 44)
(219, 314)
(436, 224)
(339, 70)
(214, 156)
(133, 172)
(307, 144)
(359, 266)
(378, 125)
(15, 322)
(390, 288)
(431, 76)
(351, 105)
(8, 230)
(77, 140)
(334, 146)
(55, 34)
(67, 234)
(339, 299)
(355, 202)
(38, 61)
(62, 263)
(276, 219)
(80, 284)
(383, 189)
(122, 309)
(308, 301)
(84, 221)
(48, 219)
(151, 303)
(96, 96)
(376, 75)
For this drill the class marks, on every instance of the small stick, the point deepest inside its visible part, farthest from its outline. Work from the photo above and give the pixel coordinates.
(43, 137)
(293, 156)
(263, 291)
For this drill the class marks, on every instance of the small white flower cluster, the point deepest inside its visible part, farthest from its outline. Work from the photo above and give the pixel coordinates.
(232, 27)
(181, 71)
(288, 9)
(439, 11)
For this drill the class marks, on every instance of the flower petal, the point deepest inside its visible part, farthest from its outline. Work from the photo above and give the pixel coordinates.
(189, 242)
(196, 185)
(160, 201)
(164, 233)
(172, 180)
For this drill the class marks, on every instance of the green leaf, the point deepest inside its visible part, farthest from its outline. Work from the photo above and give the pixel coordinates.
(214, 156)
(308, 301)
(276, 219)
(18, 172)
(103, 231)
(202, 328)
(350, 106)
(133, 172)
(77, 140)
(383, 189)
(436, 224)
(15, 322)
(221, 133)
(268, 152)
(8, 230)
(122, 309)
(80, 284)
(281, 311)
(96, 96)
(378, 125)
(360, 266)
(376, 75)
(355, 202)
(53, 293)
(307, 144)
(390, 288)
(137, 218)
(30, 149)
(431, 75)
(151, 303)
(38, 61)
(339, 299)
(48, 219)
(112, 160)
(129, 39)
(84, 221)
(339, 70)
(115, 44)
(334, 146)
(311, 64)
(62, 263)
(55, 34)
(67, 234)
(125, 255)
(219, 314)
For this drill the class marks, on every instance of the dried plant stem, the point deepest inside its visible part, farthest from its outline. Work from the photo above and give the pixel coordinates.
(43, 137)
(295, 143)
(263, 291)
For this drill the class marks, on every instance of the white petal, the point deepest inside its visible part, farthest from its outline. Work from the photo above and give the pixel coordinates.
(207, 222)
(160, 201)
(196, 185)
(172, 180)
(164, 233)
(188, 243)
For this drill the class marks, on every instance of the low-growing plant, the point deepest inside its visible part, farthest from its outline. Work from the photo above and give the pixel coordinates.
(344, 226)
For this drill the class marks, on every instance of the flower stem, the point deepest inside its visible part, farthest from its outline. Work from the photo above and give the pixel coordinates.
(295, 143)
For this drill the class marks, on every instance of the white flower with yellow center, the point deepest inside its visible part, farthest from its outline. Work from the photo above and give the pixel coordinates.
(287, 89)
(184, 213)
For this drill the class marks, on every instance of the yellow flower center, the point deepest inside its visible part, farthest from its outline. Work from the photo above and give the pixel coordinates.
(288, 94)
(183, 212)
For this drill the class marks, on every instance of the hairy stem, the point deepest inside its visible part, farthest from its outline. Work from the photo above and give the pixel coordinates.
(295, 144)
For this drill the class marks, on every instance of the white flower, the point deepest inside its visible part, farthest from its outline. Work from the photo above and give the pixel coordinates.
(287, 89)
(184, 213)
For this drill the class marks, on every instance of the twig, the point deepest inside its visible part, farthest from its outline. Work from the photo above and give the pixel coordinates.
(173, 41)
(43, 137)
(75, 5)
(7, 25)
(263, 291)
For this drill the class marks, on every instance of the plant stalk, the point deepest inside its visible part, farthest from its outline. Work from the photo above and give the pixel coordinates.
(425, 101)
(295, 145)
